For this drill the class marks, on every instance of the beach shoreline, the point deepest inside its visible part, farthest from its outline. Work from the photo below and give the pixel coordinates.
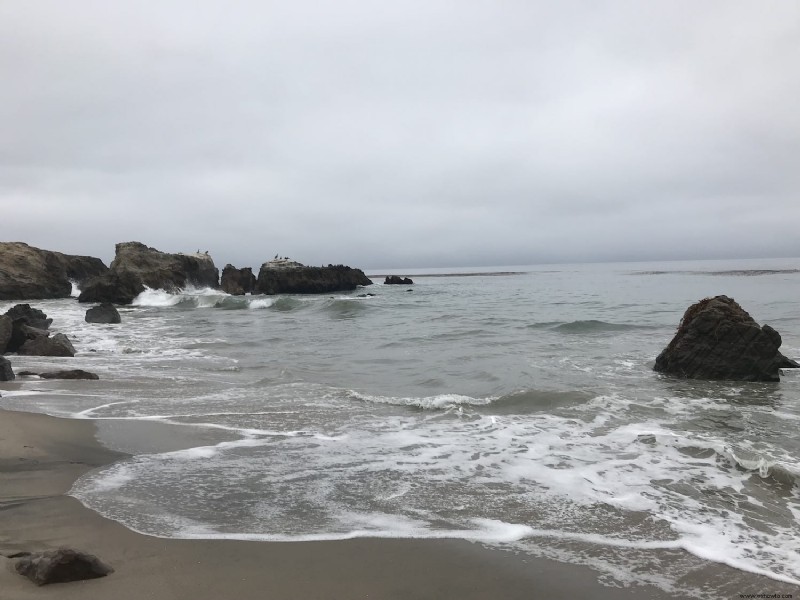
(41, 456)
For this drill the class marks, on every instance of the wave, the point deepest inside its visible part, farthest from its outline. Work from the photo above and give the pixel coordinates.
(595, 326)
(76, 290)
(519, 402)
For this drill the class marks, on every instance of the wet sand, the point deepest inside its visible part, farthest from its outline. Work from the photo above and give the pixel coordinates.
(41, 456)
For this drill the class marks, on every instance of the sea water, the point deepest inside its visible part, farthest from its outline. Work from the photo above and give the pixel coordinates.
(515, 407)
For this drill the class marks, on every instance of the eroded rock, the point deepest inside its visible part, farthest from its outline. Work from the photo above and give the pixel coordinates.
(103, 313)
(61, 566)
(718, 339)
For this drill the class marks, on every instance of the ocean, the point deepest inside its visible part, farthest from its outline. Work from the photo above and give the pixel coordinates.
(513, 406)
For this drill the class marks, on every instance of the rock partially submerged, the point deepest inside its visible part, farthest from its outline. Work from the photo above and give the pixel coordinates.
(65, 374)
(136, 266)
(397, 280)
(237, 282)
(103, 313)
(6, 372)
(27, 272)
(288, 277)
(61, 566)
(30, 335)
(718, 339)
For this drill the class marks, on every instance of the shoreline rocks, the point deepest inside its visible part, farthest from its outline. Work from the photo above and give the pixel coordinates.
(237, 282)
(397, 280)
(136, 266)
(103, 313)
(282, 276)
(61, 566)
(28, 273)
(718, 339)
(30, 334)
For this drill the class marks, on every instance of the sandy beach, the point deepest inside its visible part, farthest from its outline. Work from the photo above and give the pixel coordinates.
(41, 456)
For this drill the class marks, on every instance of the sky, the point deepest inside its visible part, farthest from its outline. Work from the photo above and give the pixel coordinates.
(403, 134)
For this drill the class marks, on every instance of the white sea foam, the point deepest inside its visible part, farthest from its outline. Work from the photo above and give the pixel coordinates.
(441, 401)
(76, 291)
(200, 297)
(257, 303)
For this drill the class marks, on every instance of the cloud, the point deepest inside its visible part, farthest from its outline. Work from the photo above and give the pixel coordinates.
(411, 134)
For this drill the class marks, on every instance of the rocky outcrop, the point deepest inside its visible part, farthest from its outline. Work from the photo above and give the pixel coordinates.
(61, 566)
(44, 345)
(718, 339)
(116, 288)
(237, 282)
(286, 277)
(397, 280)
(6, 329)
(136, 265)
(31, 316)
(103, 313)
(27, 272)
(6, 373)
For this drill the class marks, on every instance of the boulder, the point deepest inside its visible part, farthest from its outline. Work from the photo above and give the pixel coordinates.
(115, 288)
(68, 374)
(136, 265)
(61, 566)
(6, 328)
(58, 345)
(29, 272)
(26, 323)
(718, 339)
(237, 282)
(397, 280)
(103, 313)
(32, 316)
(286, 277)
(6, 373)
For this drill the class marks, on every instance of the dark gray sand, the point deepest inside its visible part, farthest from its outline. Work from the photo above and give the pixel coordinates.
(41, 456)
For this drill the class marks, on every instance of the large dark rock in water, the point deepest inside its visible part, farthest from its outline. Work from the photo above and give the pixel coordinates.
(237, 282)
(115, 288)
(397, 280)
(61, 566)
(58, 345)
(103, 313)
(27, 272)
(6, 329)
(282, 276)
(6, 373)
(69, 374)
(27, 323)
(718, 339)
(136, 265)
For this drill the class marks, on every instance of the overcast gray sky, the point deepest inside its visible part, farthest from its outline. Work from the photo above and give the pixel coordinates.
(402, 134)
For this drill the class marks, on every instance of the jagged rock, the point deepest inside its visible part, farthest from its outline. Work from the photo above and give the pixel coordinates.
(397, 280)
(237, 282)
(26, 323)
(68, 374)
(116, 288)
(6, 373)
(103, 313)
(6, 328)
(58, 345)
(27, 272)
(287, 277)
(718, 339)
(61, 566)
(32, 316)
(137, 265)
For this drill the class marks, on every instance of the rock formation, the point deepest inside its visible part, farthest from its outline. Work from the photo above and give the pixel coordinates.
(6, 330)
(30, 335)
(103, 313)
(397, 280)
(6, 373)
(61, 566)
(717, 339)
(237, 282)
(136, 265)
(66, 374)
(27, 272)
(282, 276)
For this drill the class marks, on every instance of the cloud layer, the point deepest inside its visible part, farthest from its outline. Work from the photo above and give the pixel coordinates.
(435, 133)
